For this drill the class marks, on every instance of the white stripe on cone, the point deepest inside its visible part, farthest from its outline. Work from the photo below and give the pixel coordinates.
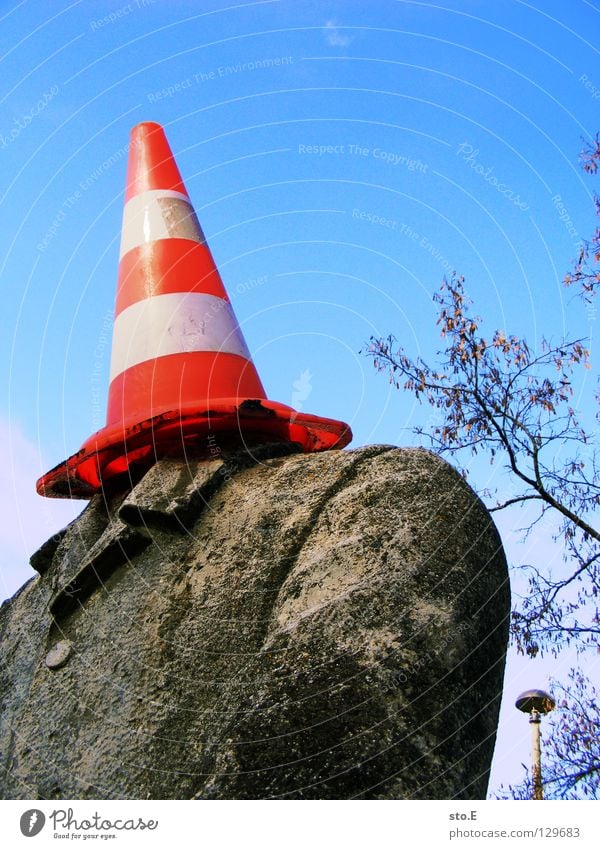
(175, 323)
(158, 214)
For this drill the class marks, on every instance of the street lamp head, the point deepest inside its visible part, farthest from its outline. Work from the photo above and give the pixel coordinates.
(535, 700)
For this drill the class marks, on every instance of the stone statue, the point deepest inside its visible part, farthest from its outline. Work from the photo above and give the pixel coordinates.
(264, 624)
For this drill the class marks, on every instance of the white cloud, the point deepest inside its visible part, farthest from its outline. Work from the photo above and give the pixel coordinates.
(26, 519)
(334, 37)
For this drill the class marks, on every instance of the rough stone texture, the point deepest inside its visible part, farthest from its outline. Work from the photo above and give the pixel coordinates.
(305, 626)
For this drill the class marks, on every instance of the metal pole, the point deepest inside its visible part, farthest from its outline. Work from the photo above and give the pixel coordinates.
(536, 757)
(536, 703)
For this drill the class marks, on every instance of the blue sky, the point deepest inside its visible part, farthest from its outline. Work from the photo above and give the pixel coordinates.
(341, 156)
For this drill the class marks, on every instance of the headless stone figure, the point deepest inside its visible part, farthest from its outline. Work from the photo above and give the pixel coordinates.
(265, 625)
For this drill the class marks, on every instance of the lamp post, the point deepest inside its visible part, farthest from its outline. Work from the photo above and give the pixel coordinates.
(536, 703)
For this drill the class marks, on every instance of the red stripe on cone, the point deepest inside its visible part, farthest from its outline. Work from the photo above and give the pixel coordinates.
(173, 382)
(164, 267)
(181, 369)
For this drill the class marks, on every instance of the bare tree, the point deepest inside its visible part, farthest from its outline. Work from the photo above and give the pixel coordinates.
(498, 397)
(586, 272)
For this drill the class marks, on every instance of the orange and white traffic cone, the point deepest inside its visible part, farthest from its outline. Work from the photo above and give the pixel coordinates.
(181, 373)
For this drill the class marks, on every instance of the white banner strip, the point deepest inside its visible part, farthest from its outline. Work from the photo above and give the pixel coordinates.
(176, 323)
(158, 214)
(300, 824)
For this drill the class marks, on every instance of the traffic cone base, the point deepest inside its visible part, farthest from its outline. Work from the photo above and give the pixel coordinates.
(110, 459)
(181, 372)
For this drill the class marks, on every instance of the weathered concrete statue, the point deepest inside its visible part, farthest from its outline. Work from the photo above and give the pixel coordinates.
(305, 626)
